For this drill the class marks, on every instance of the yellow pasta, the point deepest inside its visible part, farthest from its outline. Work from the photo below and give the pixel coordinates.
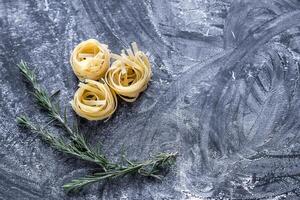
(94, 100)
(90, 60)
(129, 74)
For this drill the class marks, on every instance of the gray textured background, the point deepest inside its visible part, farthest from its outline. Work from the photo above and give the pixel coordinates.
(225, 91)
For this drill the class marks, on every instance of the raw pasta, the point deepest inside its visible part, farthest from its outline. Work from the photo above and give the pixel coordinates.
(90, 60)
(129, 74)
(94, 100)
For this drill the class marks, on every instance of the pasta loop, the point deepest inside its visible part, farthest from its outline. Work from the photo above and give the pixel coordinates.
(90, 60)
(129, 74)
(94, 100)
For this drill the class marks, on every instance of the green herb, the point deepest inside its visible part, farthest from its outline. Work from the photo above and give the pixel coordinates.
(76, 145)
(79, 145)
(150, 168)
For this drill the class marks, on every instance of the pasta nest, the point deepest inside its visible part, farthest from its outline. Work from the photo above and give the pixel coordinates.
(129, 74)
(90, 60)
(94, 100)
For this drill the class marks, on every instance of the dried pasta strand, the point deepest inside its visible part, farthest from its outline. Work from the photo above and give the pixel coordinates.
(90, 60)
(129, 74)
(94, 100)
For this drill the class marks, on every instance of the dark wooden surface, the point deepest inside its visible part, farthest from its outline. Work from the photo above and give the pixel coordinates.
(224, 94)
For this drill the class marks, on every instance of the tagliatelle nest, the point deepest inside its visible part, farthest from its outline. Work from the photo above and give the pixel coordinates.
(90, 60)
(94, 100)
(129, 74)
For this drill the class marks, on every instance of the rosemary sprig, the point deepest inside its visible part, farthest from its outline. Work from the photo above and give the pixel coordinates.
(78, 147)
(74, 148)
(45, 102)
(149, 168)
(43, 99)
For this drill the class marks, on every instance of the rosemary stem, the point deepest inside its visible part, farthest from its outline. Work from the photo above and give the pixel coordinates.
(65, 125)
